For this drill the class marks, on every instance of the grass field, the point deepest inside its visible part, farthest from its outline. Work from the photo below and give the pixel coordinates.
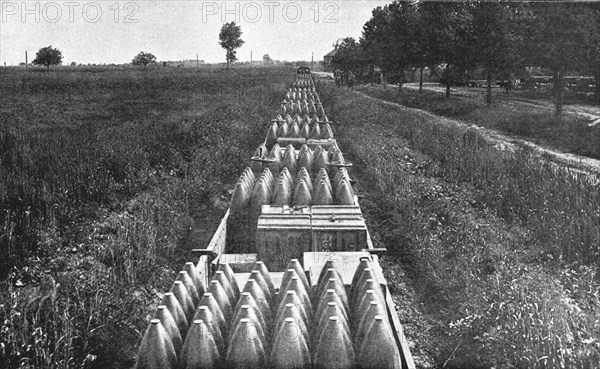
(500, 250)
(108, 178)
(570, 133)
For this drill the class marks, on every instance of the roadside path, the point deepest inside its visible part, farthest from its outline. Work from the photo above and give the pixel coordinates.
(590, 112)
(576, 163)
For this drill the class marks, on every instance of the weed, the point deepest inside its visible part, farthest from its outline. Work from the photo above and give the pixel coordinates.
(500, 246)
(107, 181)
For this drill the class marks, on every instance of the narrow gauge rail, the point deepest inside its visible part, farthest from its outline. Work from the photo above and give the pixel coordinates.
(291, 278)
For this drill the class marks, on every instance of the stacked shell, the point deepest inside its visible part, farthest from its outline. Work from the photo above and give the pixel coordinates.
(292, 325)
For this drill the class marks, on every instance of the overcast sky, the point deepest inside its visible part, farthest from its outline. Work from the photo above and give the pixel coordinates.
(109, 31)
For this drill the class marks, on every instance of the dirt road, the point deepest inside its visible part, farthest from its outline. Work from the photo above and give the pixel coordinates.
(590, 112)
(579, 165)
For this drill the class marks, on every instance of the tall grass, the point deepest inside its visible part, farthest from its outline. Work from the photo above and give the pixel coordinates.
(108, 179)
(568, 133)
(501, 247)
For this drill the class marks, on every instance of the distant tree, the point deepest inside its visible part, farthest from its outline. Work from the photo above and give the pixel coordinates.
(560, 37)
(73, 64)
(450, 39)
(48, 56)
(377, 39)
(350, 57)
(230, 39)
(497, 34)
(144, 59)
(267, 59)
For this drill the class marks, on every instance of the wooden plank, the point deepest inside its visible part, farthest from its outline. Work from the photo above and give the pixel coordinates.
(205, 263)
(347, 262)
(407, 359)
(240, 263)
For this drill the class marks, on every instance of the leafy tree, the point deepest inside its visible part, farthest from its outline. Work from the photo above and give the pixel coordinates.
(230, 39)
(267, 59)
(388, 39)
(450, 39)
(374, 40)
(48, 56)
(144, 59)
(497, 39)
(349, 57)
(559, 36)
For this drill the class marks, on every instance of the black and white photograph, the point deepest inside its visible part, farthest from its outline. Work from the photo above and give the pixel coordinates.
(299, 184)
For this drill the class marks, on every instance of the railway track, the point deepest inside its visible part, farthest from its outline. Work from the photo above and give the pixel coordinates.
(291, 278)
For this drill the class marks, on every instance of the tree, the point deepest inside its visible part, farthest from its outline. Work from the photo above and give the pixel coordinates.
(267, 59)
(144, 59)
(450, 39)
(349, 57)
(374, 40)
(559, 37)
(48, 56)
(230, 39)
(388, 39)
(497, 36)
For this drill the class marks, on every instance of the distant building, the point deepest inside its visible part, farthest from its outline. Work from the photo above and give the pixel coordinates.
(328, 58)
(184, 63)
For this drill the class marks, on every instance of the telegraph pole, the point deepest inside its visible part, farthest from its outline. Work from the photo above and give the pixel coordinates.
(312, 58)
(26, 59)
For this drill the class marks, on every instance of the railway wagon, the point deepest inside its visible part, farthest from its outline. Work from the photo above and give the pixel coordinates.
(291, 278)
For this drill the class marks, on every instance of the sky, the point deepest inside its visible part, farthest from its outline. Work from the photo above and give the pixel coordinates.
(114, 31)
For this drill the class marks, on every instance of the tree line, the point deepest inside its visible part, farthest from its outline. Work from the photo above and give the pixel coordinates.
(499, 38)
(229, 39)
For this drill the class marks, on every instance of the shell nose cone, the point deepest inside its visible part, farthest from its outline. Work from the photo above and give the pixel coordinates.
(204, 313)
(184, 298)
(200, 349)
(290, 349)
(156, 350)
(334, 349)
(187, 281)
(379, 349)
(302, 195)
(245, 347)
(174, 307)
(170, 326)
(192, 271)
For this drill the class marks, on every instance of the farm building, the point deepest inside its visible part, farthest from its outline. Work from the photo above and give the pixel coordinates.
(328, 58)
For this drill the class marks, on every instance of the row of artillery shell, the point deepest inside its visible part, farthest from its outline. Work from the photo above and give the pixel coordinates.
(298, 130)
(302, 93)
(303, 83)
(302, 97)
(297, 327)
(312, 160)
(250, 194)
(301, 119)
(301, 107)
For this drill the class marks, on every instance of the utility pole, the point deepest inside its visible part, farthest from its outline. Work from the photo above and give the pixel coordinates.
(26, 59)
(250, 56)
(312, 58)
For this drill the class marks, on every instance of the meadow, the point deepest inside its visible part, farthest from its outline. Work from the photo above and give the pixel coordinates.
(108, 178)
(567, 133)
(499, 248)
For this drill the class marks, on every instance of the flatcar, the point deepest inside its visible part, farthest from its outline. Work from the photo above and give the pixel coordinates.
(291, 278)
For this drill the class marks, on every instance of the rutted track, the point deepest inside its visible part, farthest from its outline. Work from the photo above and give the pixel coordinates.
(576, 165)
